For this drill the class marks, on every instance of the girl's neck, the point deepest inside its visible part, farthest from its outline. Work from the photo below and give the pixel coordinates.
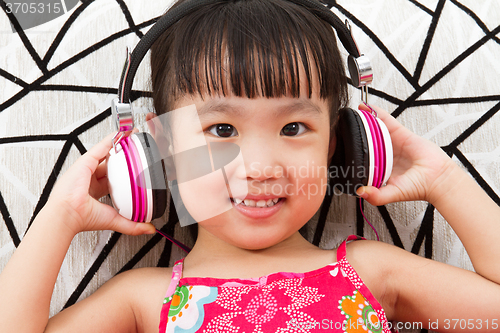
(211, 257)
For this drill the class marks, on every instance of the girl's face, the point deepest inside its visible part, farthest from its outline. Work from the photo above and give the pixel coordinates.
(285, 144)
(285, 148)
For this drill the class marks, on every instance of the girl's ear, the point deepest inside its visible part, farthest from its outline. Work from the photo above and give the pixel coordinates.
(151, 126)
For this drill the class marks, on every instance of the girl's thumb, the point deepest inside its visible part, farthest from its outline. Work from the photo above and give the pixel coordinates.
(110, 218)
(378, 196)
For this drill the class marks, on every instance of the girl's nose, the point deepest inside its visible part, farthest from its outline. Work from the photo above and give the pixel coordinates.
(257, 170)
(262, 162)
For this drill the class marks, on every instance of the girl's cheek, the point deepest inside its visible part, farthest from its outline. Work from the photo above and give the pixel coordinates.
(206, 196)
(209, 195)
(308, 179)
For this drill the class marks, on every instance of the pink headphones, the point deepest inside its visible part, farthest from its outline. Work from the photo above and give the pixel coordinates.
(137, 186)
(136, 181)
(363, 155)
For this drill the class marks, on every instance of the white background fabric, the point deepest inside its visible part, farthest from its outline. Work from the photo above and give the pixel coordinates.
(458, 99)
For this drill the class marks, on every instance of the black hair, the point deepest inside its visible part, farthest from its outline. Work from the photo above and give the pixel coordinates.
(247, 48)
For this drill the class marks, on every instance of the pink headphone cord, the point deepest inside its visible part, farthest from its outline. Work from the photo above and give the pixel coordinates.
(176, 242)
(361, 208)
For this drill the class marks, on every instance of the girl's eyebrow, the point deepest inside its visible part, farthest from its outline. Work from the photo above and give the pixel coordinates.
(303, 107)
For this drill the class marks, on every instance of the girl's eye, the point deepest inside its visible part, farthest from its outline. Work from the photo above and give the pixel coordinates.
(293, 129)
(223, 130)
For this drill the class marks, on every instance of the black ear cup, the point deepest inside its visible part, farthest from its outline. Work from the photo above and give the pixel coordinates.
(350, 162)
(156, 175)
(363, 155)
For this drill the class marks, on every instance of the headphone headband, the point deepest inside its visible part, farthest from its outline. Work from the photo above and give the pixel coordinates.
(361, 75)
(165, 22)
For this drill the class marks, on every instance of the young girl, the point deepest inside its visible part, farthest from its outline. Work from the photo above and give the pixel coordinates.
(269, 78)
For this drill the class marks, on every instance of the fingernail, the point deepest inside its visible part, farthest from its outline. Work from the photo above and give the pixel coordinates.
(361, 192)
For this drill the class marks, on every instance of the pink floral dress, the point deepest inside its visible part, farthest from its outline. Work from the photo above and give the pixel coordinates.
(332, 298)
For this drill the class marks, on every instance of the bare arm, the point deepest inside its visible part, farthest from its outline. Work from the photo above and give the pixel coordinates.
(445, 298)
(424, 293)
(129, 302)
(27, 282)
(475, 217)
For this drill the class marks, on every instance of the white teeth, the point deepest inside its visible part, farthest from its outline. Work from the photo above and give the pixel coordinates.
(253, 203)
(249, 202)
(261, 203)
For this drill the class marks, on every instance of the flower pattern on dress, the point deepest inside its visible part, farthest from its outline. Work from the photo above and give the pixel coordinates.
(279, 302)
(186, 313)
(360, 315)
(258, 306)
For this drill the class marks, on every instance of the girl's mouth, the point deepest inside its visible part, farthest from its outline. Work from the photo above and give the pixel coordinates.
(257, 203)
(258, 210)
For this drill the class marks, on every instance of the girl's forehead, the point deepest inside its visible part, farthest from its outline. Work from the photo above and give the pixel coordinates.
(276, 107)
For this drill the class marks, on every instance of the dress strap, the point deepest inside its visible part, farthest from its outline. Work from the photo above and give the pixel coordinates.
(176, 276)
(341, 251)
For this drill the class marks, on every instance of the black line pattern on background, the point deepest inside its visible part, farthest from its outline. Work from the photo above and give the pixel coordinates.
(425, 233)
(428, 39)
(411, 102)
(27, 44)
(71, 138)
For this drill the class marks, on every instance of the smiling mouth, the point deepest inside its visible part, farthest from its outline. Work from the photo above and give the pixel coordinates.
(257, 203)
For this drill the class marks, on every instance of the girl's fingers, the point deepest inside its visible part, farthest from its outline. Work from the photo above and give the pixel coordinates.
(97, 153)
(101, 170)
(390, 122)
(116, 222)
(380, 196)
(98, 187)
(131, 228)
(83, 170)
(107, 218)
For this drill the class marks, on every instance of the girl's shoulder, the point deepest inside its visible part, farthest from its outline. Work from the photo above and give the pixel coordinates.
(129, 302)
(147, 287)
(140, 277)
(148, 272)
(371, 261)
(376, 257)
(384, 268)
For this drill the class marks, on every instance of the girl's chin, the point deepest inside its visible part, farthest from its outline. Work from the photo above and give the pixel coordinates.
(251, 239)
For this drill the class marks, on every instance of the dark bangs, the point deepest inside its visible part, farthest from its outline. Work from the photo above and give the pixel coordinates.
(247, 48)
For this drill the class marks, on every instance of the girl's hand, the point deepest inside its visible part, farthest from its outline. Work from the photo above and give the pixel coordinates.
(76, 192)
(420, 167)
